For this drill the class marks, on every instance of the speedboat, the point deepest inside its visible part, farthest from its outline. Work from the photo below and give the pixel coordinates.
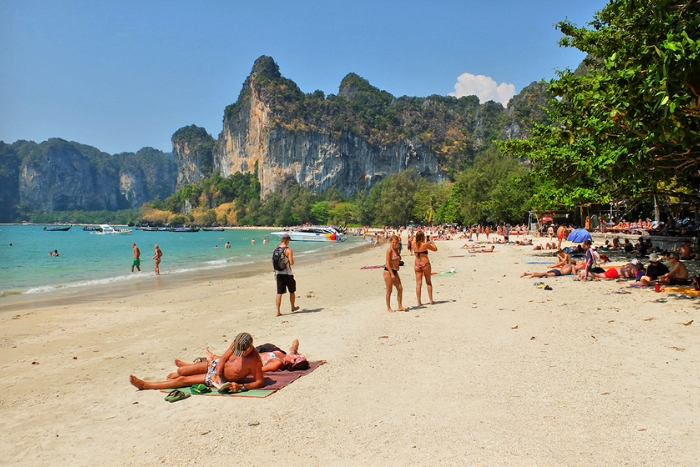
(109, 230)
(315, 233)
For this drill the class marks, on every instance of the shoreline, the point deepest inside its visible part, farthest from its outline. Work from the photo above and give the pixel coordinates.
(145, 282)
(497, 372)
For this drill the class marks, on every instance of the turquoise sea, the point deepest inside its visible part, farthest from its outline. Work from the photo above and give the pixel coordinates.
(87, 260)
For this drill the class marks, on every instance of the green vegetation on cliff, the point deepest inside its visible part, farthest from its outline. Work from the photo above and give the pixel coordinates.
(455, 129)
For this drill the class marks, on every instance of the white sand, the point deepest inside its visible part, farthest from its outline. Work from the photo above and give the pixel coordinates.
(585, 379)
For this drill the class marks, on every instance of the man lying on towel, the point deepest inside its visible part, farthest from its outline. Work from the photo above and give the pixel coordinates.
(239, 361)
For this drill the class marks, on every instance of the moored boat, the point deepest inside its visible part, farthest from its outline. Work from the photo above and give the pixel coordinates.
(58, 228)
(315, 233)
(213, 229)
(184, 228)
(109, 230)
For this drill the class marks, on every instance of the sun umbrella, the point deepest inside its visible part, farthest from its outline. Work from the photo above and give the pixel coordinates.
(579, 236)
(546, 219)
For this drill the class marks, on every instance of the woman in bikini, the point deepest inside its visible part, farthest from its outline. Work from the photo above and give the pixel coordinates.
(422, 266)
(272, 358)
(391, 274)
(156, 259)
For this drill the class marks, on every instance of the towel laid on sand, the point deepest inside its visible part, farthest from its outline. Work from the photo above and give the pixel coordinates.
(274, 381)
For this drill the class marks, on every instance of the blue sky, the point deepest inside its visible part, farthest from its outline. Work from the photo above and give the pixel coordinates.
(121, 75)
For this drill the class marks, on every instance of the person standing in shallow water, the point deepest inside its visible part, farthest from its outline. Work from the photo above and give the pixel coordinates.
(156, 259)
(136, 263)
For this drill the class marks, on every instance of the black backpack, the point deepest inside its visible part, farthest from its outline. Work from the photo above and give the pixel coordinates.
(279, 259)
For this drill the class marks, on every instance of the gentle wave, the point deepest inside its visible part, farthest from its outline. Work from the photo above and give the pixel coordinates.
(70, 285)
(217, 261)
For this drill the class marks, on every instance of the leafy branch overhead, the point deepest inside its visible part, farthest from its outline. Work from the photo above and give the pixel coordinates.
(630, 124)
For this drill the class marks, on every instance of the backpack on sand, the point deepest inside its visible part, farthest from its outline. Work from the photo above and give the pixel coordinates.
(279, 259)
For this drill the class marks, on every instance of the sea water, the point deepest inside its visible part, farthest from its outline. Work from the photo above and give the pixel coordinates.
(88, 259)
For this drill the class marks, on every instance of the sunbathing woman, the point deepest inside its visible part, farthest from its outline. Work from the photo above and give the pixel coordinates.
(272, 358)
(239, 361)
(563, 271)
(482, 249)
(391, 273)
(422, 266)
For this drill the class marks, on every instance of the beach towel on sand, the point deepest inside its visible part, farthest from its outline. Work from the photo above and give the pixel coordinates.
(274, 381)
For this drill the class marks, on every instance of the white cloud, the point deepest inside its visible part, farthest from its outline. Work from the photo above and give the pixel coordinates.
(484, 87)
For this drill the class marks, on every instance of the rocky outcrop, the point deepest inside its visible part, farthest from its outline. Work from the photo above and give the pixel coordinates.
(256, 132)
(9, 182)
(526, 109)
(350, 140)
(59, 175)
(192, 148)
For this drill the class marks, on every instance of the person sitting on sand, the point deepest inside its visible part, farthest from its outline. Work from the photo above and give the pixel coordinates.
(655, 269)
(686, 252)
(239, 361)
(678, 275)
(556, 272)
(563, 259)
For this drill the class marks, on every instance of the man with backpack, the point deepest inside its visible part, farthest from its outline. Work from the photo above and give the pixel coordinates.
(282, 262)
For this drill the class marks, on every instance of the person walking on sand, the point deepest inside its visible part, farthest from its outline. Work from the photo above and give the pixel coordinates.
(561, 231)
(285, 277)
(136, 263)
(422, 265)
(391, 273)
(156, 259)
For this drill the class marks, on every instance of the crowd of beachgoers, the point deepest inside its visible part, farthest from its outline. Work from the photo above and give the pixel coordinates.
(642, 263)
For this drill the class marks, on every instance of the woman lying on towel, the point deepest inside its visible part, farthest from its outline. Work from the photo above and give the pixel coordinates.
(566, 270)
(238, 362)
(273, 358)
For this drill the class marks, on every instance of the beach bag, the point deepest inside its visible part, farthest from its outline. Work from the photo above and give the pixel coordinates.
(279, 259)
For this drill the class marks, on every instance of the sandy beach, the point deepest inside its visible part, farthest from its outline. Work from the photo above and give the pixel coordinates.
(496, 373)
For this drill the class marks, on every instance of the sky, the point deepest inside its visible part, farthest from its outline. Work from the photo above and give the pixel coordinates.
(123, 75)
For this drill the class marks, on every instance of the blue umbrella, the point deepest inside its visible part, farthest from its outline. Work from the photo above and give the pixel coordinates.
(579, 236)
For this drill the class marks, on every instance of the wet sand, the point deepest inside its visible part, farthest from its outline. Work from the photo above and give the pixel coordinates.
(497, 372)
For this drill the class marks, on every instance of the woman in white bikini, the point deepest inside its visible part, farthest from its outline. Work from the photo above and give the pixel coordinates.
(422, 266)
(391, 273)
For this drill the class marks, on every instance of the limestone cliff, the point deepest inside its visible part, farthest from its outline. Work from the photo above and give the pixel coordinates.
(59, 175)
(349, 140)
(259, 128)
(192, 148)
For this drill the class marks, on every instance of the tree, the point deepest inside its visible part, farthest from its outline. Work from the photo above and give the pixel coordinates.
(396, 201)
(638, 106)
(476, 188)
